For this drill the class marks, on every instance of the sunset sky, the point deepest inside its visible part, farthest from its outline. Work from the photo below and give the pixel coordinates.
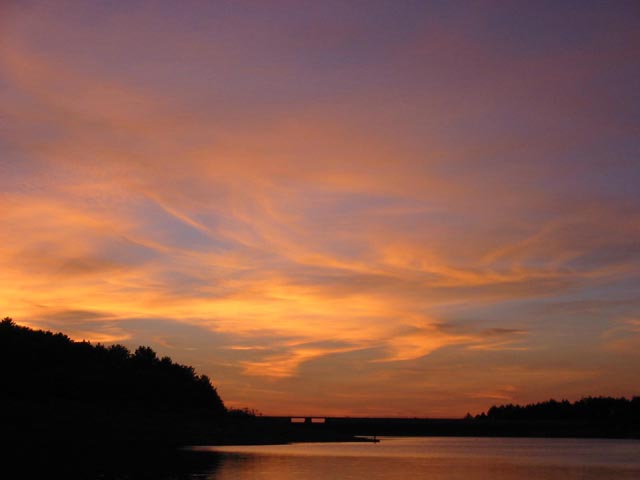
(399, 208)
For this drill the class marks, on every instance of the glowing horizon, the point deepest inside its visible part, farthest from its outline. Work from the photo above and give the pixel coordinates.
(335, 208)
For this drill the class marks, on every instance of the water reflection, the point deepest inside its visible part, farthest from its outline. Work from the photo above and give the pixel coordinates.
(392, 459)
(241, 467)
(435, 459)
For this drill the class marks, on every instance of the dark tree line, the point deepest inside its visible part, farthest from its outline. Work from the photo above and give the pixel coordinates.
(587, 409)
(53, 387)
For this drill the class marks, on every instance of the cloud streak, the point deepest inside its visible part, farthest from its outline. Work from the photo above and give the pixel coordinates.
(371, 201)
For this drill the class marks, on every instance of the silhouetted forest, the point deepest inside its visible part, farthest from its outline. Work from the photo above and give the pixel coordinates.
(54, 388)
(586, 409)
(57, 392)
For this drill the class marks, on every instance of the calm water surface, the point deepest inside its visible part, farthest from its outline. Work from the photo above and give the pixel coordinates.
(431, 458)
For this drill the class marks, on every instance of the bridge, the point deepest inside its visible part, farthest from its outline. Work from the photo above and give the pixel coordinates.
(295, 418)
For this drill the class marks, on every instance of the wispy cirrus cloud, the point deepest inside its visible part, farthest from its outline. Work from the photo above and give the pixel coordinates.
(374, 205)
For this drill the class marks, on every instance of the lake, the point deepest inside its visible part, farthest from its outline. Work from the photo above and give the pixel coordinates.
(434, 458)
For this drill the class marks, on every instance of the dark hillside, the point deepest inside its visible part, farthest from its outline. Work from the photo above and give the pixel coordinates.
(58, 390)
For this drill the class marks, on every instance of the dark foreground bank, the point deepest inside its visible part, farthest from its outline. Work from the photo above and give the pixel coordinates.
(108, 462)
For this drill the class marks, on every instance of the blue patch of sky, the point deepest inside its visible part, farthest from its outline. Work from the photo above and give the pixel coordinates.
(163, 227)
(124, 251)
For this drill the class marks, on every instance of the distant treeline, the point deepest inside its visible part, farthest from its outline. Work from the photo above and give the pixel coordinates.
(54, 388)
(590, 417)
(586, 409)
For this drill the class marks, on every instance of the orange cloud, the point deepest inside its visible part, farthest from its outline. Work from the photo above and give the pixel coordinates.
(362, 220)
